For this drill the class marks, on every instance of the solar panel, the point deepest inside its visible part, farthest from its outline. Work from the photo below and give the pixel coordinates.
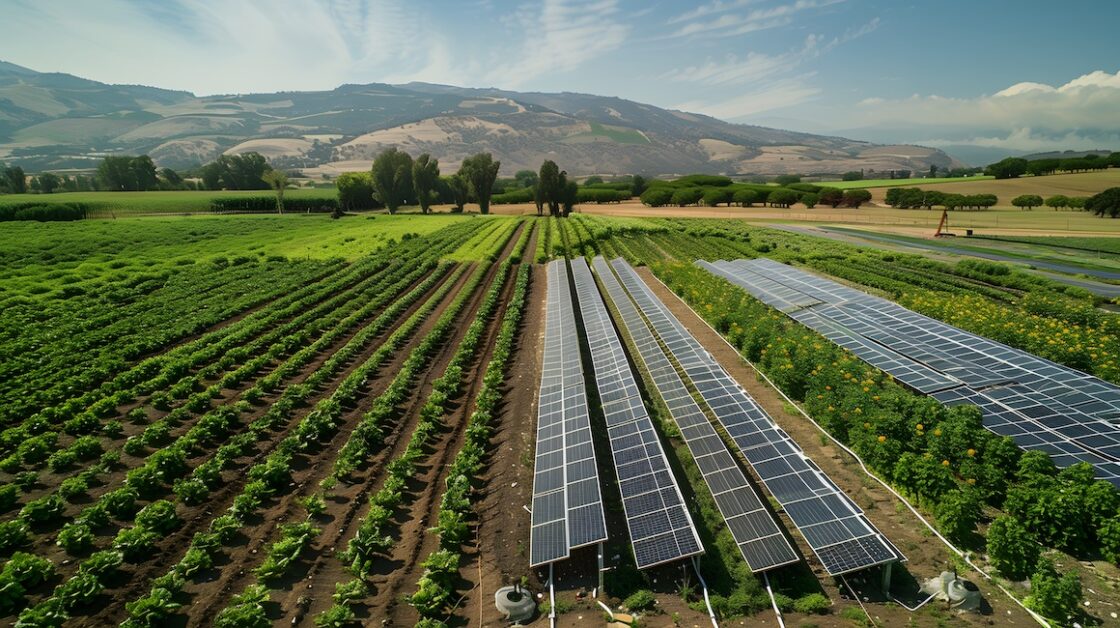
(832, 524)
(754, 529)
(661, 529)
(1038, 403)
(567, 504)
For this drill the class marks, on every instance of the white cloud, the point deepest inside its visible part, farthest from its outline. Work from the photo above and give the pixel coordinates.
(784, 93)
(1089, 101)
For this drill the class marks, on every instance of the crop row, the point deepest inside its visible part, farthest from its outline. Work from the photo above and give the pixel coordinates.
(436, 587)
(368, 434)
(272, 475)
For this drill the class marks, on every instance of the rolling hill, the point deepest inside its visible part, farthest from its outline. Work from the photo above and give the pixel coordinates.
(60, 121)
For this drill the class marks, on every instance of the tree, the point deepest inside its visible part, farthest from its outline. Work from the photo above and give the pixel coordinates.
(659, 196)
(236, 172)
(783, 198)
(460, 192)
(687, 196)
(714, 196)
(855, 198)
(745, 198)
(1105, 203)
(1027, 201)
(48, 182)
(1012, 549)
(809, 200)
(425, 178)
(831, 197)
(355, 191)
(278, 179)
(854, 175)
(593, 180)
(786, 179)
(638, 185)
(171, 178)
(1053, 596)
(480, 171)
(392, 178)
(525, 178)
(14, 180)
(957, 513)
(569, 196)
(550, 186)
(932, 171)
(1057, 201)
(1009, 168)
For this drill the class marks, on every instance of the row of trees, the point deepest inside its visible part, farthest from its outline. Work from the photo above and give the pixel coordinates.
(396, 180)
(1014, 167)
(917, 198)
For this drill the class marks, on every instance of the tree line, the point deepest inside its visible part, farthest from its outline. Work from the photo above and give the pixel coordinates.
(396, 180)
(1015, 167)
(713, 191)
(917, 198)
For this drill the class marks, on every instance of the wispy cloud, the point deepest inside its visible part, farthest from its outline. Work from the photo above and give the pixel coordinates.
(739, 23)
(776, 95)
(563, 35)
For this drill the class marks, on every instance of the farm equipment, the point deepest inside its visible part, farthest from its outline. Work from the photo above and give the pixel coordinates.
(943, 226)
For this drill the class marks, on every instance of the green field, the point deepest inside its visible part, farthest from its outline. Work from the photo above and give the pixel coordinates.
(1092, 245)
(152, 239)
(110, 204)
(618, 134)
(893, 183)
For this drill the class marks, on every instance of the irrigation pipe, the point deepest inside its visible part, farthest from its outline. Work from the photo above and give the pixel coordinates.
(551, 599)
(855, 596)
(704, 588)
(1041, 620)
(773, 601)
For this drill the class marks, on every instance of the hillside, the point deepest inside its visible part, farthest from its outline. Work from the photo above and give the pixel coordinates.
(58, 121)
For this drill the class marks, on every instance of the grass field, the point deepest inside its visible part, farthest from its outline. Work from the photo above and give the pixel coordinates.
(1093, 245)
(894, 183)
(177, 202)
(1077, 184)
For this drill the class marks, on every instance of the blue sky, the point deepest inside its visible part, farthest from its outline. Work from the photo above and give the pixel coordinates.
(981, 72)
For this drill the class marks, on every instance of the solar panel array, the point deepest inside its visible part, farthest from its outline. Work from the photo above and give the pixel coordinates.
(661, 529)
(832, 524)
(567, 503)
(754, 529)
(1038, 403)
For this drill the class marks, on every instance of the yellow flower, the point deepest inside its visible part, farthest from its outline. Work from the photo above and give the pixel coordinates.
(944, 463)
(882, 439)
(971, 452)
(921, 427)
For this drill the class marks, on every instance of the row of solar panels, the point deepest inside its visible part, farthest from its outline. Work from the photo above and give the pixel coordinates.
(831, 523)
(1038, 403)
(567, 503)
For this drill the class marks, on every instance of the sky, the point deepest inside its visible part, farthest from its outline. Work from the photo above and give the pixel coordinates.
(996, 75)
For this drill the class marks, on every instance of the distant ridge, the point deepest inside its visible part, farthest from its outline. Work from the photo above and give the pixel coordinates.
(60, 121)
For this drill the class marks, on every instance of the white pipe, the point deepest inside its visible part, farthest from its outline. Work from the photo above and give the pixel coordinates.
(704, 588)
(551, 600)
(858, 601)
(773, 601)
(1041, 620)
(903, 604)
(606, 608)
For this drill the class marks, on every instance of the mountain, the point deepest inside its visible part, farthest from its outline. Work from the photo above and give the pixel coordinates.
(58, 121)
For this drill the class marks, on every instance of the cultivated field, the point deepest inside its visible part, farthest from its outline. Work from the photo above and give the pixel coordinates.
(116, 204)
(293, 420)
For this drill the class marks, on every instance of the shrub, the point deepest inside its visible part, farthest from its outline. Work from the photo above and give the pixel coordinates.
(640, 600)
(1012, 549)
(812, 604)
(1053, 596)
